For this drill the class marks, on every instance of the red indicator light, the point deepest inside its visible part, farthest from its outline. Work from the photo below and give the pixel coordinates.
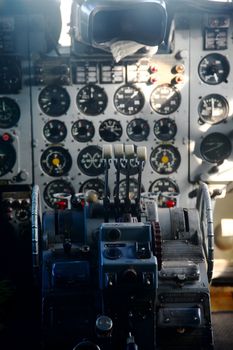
(170, 204)
(6, 137)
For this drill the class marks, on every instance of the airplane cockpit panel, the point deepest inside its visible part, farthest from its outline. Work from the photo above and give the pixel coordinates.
(116, 170)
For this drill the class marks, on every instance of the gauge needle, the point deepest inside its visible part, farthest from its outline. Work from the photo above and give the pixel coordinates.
(215, 77)
(216, 146)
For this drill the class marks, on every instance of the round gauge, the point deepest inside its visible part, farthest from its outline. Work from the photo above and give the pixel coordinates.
(7, 157)
(129, 100)
(165, 129)
(91, 100)
(165, 99)
(9, 112)
(215, 147)
(166, 189)
(165, 159)
(10, 75)
(90, 161)
(54, 187)
(110, 130)
(55, 131)
(138, 130)
(56, 161)
(214, 69)
(213, 109)
(54, 101)
(83, 130)
(133, 189)
(96, 185)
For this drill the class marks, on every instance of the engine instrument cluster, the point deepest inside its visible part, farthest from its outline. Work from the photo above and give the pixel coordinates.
(177, 103)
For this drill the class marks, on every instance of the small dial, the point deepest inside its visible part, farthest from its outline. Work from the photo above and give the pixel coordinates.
(91, 100)
(165, 159)
(166, 189)
(129, 100)
(56, 161)
(7, 157)
(165, 129)
(9, 112)
(83, 130)
(214, 69)
(213, 109)
(10, 75)
(138, 130)
(54, 187)
(110, 130)
(54, 101)
(96, 185)
(90, 161)
(133, 189)
(165, 99)
(215, 147)
(55, 131)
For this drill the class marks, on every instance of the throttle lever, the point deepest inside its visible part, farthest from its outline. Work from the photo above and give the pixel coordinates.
(106, 155)
(118, 155)
(129, 154)
(142, 156)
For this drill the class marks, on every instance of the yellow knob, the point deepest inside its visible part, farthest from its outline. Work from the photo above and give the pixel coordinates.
(56, 161)
(165, 159)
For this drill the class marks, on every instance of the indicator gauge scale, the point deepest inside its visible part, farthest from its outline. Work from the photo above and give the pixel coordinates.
(54, 101)
(55, 187)
(214, 69)
(133, 189)
(166, 189)
(213, 109)
(215, 148)
(90, 161)
(96, 185)
(129, 100)
(7, 157)
(55, 131)
(83, 130)
(91, 100)
(165, 99)
(56, 161)
(138, 130)
(110, 130)
(165, 159)
(9, 112)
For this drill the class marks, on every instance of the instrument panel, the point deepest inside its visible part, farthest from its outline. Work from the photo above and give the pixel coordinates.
(60, 112)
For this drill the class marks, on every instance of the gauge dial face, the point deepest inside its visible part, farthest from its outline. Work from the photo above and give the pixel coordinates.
(165, 129)
(7, 157)
(10, 76)
(138, 130)
(129, 100)
(110, 130)
(166, 189)
(54, 101)
(213, 109)
(83, 130)
(54, 187)
(96, 185)
(91, 100)
(165, 99)
(56, 161)
(215, 147)
(133, 189)
(55, 131)
(9, 112)
(165, 159)
(214, 69)
(90, 161)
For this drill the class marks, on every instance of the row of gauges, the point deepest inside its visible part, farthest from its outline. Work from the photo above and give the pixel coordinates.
(212, 109)
(166, 189)
(110, 130)
(57, 161)
(92, 100)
